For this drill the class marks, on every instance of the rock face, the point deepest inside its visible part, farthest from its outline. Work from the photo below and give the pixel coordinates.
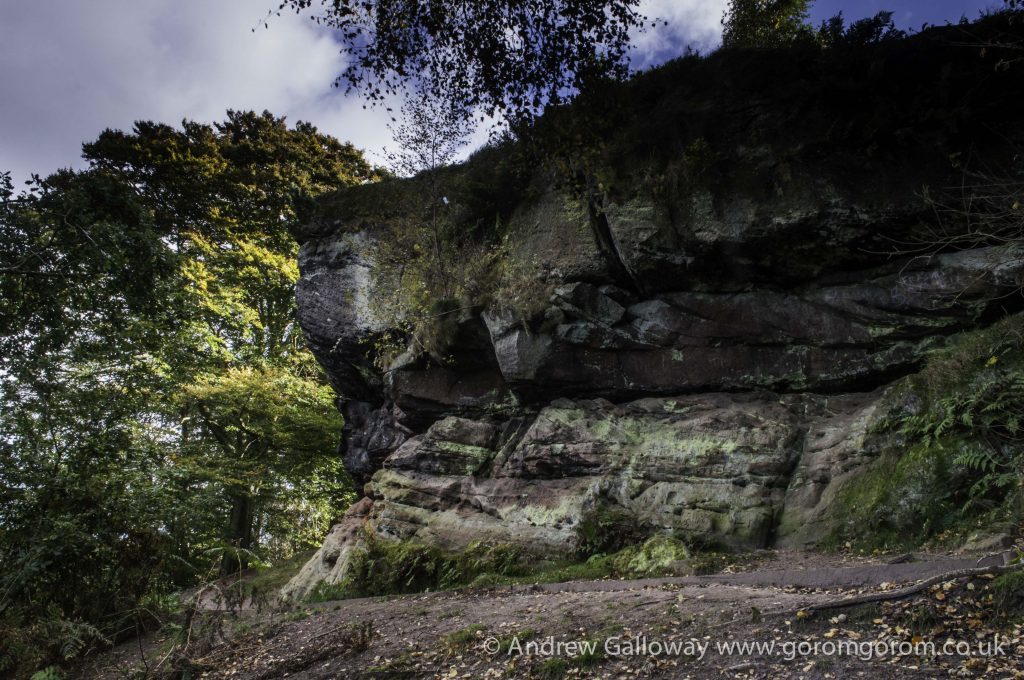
(827, 337)
(715, 466)
(329, 565)
(713, 361)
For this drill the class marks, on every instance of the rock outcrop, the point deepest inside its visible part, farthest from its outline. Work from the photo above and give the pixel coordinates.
(713, 357)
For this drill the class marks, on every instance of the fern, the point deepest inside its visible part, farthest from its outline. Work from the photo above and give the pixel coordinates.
(48, 673)
(974, 400)
(976, 459)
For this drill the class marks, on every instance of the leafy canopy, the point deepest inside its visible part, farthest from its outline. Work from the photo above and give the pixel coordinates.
(764, 23)
(160, 407)
(502, 56)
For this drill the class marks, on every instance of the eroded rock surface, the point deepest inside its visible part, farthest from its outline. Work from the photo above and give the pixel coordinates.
(709, 347)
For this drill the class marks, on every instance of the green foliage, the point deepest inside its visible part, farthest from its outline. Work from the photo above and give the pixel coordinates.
(28, 644)
(1008, 594)
(765, 23)
(863, 32)
(505, 56)
(784, 23)
(962, 460)
(430, 262)
(607, 529)
(272, 432)
(553, 669)
(558, 668)
(160, 409)
(386, 567)
(48, 673)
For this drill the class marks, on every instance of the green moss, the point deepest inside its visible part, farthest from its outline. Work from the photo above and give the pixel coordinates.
(658, 555)
(900, 501)
(474, 458)
(395, 567)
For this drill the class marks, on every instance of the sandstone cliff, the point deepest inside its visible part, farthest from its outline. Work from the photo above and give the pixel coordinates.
(716, 319)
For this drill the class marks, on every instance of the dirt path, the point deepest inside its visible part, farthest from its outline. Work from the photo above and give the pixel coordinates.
(655, 628)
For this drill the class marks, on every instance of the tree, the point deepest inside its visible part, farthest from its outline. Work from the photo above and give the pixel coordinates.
(867, 31)
(84, 501)
(764, 23)
(270, 432)
(232, 192)
(154, 379)
(428, 264)
(431, 132)
(502, 56)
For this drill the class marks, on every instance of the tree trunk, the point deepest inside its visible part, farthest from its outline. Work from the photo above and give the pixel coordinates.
(239, 534)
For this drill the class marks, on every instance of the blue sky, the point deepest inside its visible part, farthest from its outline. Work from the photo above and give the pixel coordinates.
(70, 68)
(908, 14)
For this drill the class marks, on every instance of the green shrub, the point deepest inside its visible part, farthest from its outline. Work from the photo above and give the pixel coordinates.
(385, 567)
(1008, 594)
(49, 673)
(28, 641)
(607, 529)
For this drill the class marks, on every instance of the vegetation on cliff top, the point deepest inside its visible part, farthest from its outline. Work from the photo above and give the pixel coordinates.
(453, 237)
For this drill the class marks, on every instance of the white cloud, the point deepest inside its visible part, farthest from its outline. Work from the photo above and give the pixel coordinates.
(697, 23)
(69, 69)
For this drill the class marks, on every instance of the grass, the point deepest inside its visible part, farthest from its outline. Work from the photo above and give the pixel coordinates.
(399, 667)
(553, 669)
(505, 641)
(388, 568)
(263, 584)
(556, 668)
(1008, 595)
(463, 638)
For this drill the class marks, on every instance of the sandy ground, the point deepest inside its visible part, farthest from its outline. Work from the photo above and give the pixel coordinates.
(654, 628)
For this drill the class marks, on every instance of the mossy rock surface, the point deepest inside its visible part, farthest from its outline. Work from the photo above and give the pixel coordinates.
(659, 555)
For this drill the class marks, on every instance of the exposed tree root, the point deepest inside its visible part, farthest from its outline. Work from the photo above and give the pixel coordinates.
(900, 593)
